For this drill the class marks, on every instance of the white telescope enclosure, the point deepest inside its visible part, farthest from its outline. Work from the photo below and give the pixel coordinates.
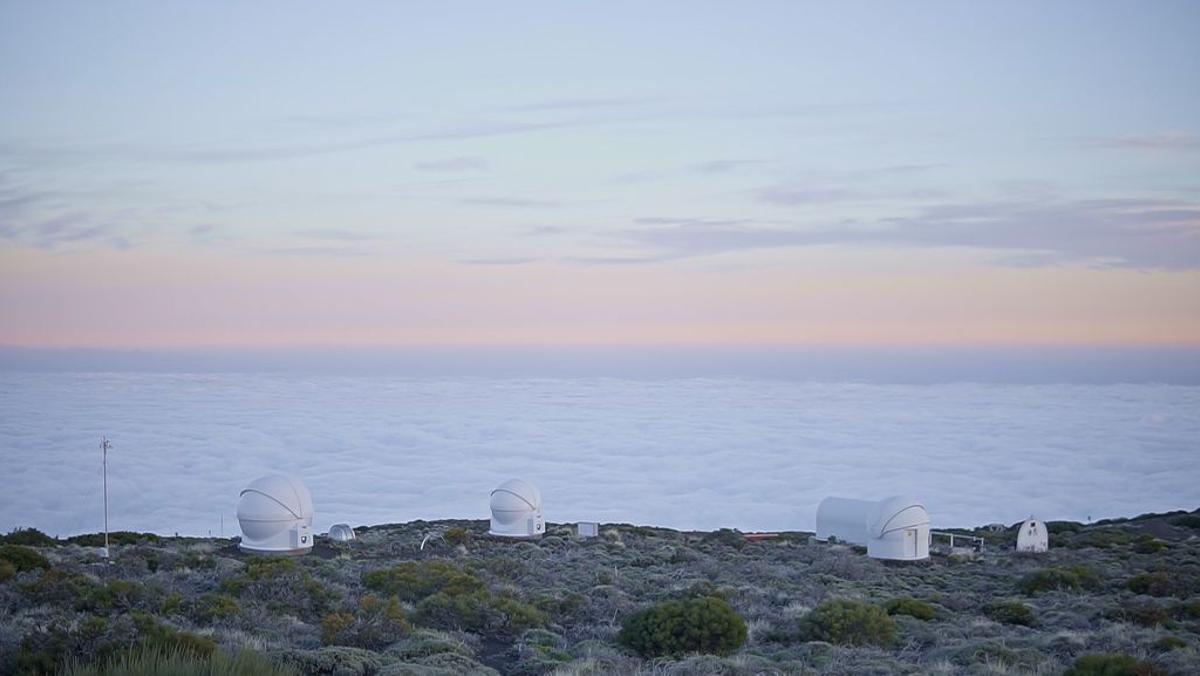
(341, 532)
(1033, 537)
(276, 512)
(894, 528)
(517, 510)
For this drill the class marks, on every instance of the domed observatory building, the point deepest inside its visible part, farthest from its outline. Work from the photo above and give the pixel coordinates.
(895, 528)
(276, 513)
(1032, 537)
(517, 510)
(341, 532)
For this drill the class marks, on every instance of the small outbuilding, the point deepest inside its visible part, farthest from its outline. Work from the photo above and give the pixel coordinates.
(275, 513)
(894, 528)
(1032, 536)
(517, 510)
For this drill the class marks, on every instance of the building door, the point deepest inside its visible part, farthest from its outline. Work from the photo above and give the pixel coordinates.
(910, 542)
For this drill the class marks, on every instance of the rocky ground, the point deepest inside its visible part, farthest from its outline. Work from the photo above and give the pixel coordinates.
(468, 603)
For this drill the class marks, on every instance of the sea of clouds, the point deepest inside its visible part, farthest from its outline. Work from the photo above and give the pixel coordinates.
(752, 454)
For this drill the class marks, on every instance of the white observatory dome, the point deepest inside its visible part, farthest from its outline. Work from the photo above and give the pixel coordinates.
(517, 510)
(341, 532)
(276, 513)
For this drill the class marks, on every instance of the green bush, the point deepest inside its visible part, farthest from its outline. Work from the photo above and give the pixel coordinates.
(414, 580)
(29, 537)
(1073, 578)
(155, 636)
(1144, 614)
(283, 585)
(268, 567)
(59, 587)
(1168, 643)
(115, 595)
(848, 622)
(706, 625)
(479, 611)
(7, 571)
(1187, 521)
(376, 625)
(1010, 612)
(120, 537)
(23, 558)
(1148, 544)
(213, 607)
(165, 662)
(1111, 664)
(1162, 583)
(911, 607)
(1101, 538)
(457, 536)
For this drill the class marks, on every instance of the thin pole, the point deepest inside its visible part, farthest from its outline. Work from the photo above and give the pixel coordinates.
(104, 446)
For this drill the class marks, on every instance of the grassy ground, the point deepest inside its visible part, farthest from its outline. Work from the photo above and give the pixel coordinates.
(467, 603)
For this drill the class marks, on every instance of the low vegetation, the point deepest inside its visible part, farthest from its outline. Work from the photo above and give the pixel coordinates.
(704, 625)
(439, 598)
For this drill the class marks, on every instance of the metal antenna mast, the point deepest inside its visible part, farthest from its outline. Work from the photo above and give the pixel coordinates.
(104, 446)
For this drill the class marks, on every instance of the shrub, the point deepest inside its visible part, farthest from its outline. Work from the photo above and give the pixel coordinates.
(1187, 521)
(1010, 612)
(911, 607)
(1110, 664)
(1101, 538)
(160, 637)
(457, 536)
(412, 580)
(56, 586)
(7, 571)
(23, 558)
(212, 607)
(1161, 583)
(848, 622)
(376, 625)
(150, 662)
(1074, 578)
(29, 537)
(116, 595)
(480, 612)
(268, 567)
(120, 537)
(1168, 643)
(706, 625)
(1148, 544)
(1144, 614)
(284, 586)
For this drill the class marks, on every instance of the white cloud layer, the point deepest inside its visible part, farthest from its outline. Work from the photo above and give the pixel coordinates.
(693, 453)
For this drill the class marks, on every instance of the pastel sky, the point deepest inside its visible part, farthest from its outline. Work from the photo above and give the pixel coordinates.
(620, 173)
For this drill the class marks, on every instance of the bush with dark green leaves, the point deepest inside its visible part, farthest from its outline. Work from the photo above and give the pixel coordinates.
(479, 611)
(1110, 664)
(1101, 538)
(414, 580)
(374, 625)
(112, 596)
(119, 537)
(7, 571)
(283, 585)
(54, 586)
(457, 536)
(1072, 578)
(1148, 544)
(23, 558)
(1161, 583)
(1010, 612)
(848, 622)
(911, 607)
(28, 537)
(705, 625)
(1145, 614)
(213, 607)
(155, 635)
(1187, 521)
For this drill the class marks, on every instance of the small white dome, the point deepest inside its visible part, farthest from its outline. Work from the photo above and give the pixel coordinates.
(273, 509)
(341, 532)
(517, 510)
(897, 513)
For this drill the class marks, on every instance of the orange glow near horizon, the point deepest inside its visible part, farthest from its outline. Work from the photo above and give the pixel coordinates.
(152, 299)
